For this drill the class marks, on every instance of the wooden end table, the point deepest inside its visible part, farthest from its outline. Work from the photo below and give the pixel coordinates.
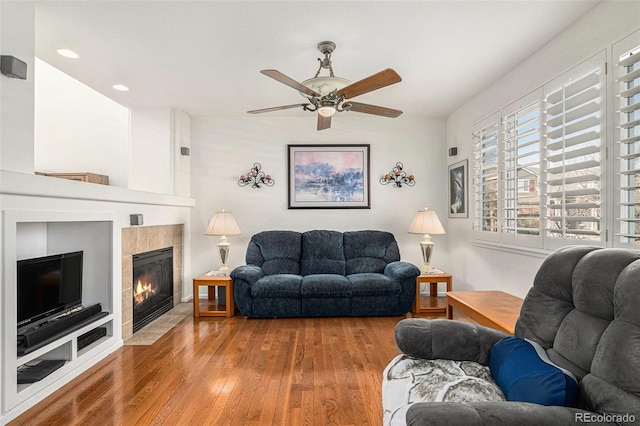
(212, 281)
(495, 309)
(436, 304)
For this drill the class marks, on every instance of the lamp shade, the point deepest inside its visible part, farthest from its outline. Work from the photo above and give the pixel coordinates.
(223, 223)
(426, 222)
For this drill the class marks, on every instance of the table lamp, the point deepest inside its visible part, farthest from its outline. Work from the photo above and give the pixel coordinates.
(223, 224)
(426, 222)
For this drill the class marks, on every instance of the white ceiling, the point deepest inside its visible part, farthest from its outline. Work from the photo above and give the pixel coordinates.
(204, 57)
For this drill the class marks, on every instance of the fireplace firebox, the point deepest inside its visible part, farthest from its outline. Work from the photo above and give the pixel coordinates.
(152, 285)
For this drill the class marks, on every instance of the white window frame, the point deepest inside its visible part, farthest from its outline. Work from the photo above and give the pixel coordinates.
(621, 59)
(542, 241)
(480, 128)
(596, 62)
(514, 110)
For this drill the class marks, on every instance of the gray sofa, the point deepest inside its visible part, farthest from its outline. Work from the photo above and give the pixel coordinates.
(324, 273)
(583, 309)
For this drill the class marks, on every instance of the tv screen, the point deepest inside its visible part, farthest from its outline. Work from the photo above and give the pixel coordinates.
(48, 285)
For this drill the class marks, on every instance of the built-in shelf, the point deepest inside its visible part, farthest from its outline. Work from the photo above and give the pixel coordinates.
(64, 348)
(43, 186)
(32, 233)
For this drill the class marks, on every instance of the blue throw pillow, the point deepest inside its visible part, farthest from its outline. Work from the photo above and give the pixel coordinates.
(524, 372)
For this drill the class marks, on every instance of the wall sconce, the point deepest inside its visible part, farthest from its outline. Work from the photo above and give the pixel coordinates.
(256, 178)
(398, 177)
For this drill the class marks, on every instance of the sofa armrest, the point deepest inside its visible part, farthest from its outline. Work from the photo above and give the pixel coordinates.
(243, 278)
(248, 273)
(446, 339)
(401, 271)
(404, 273)
(485, 413)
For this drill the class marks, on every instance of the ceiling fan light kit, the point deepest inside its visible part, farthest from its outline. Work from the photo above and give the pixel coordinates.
(327, 111)
(327, 95)
(325, 84)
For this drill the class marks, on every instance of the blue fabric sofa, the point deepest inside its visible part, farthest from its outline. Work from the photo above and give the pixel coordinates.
(324, 273)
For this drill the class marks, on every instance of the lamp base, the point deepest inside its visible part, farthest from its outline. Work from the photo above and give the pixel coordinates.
(430, 271)
(426, 246)
(224, 270)
(427, 269)
(223, 250)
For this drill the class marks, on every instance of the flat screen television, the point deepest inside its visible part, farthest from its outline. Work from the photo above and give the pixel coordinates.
(48, 285)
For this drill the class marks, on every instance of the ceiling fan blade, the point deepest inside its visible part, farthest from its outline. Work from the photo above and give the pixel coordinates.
(373, 82)
(277, 75)
(278, 108)
(373, 109)
(323, 122)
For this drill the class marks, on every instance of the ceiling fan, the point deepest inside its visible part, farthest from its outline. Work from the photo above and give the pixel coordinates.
(330, 94)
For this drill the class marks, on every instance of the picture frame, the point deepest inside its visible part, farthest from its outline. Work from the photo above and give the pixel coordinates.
(328, 176)
(458, 189)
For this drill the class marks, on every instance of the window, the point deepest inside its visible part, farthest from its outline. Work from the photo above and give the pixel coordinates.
(539, 164)
(521, 166)
(574, 110)
(485, 166)
(626, 54)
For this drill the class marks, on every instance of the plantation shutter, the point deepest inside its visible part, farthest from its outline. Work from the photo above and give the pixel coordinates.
(521, 149)
(485, 140)
(627, 74)
(574, 110)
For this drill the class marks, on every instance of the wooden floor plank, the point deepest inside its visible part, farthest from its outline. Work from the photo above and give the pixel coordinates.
(216, 371)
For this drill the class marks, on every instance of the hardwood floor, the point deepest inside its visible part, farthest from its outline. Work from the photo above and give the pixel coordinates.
(235, 371)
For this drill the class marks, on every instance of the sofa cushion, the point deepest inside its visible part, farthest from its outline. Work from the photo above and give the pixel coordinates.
(595, 280)
(277, 285)
(276, 252)
(370, 284)
(325, 285)
(322, 253)
(550, 299)
(369, 251)
(524, 373)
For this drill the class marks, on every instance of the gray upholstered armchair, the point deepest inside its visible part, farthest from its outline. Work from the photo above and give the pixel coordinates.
(583, 310)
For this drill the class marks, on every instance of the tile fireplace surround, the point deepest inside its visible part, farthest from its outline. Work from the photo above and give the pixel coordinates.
(139, 240)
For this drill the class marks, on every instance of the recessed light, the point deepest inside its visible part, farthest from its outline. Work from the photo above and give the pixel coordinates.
(68, 53)
(120, 87)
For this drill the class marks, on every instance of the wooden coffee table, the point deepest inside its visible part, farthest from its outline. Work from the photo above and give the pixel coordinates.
(495, 309)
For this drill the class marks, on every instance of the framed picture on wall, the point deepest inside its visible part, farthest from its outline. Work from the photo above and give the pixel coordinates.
(328, 177)
(458, 200)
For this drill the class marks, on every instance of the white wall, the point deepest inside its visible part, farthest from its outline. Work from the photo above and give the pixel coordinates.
(78, 129)
(182, 163)
(16, 102)
(224, 148)
(151, 150)
(478, 268)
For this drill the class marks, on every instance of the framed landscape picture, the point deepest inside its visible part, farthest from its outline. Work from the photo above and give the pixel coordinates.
(328, 177)
(458, 201)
